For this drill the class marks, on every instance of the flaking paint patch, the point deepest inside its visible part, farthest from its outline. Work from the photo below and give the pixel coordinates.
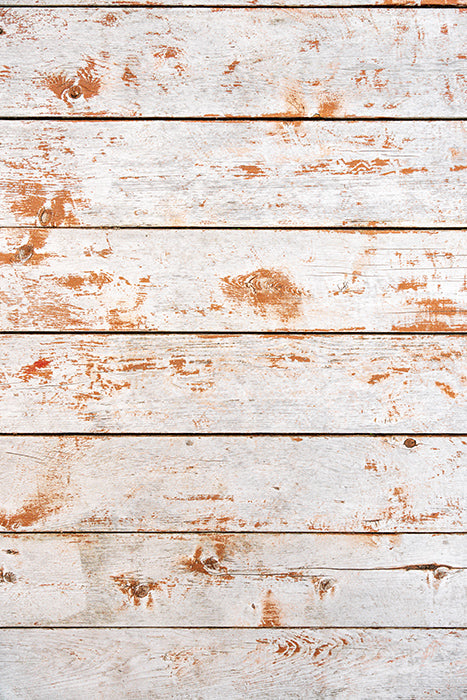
(329, 106)
(209, 566)
(39, 368)
(266, 291)
(86, 79)
(51, 492)
(139, 590)
(29, 198)
(271, 615)
(449, 391)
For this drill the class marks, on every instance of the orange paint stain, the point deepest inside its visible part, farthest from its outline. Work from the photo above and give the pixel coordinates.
(209, 566)
(410, 284)
(86, 83)
(329, 107)
(271, 612)
(38, 368)
(266, 291)
(231, 67)
(129, 78)
(251, 171)
(447, 389)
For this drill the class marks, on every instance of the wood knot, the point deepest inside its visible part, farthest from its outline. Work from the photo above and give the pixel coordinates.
(142, 590)
(24, 253)
(7, 576)
(211, 563)
(325, 585)
(410, 442)
(75, 91)
(45, 216)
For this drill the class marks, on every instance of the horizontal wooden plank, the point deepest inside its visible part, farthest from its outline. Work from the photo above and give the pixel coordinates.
(239, 3)
(237, 383)
(233, 173)
(234, 62)
(233, 483)
(243, 580)
(234, 280)
(209, 664)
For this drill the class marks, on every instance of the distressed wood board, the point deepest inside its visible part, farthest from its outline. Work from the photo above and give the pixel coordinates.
(235, 62)
(209, 483)
(233, 280)
(314, 663)
(233, 580)
(254, 4)
(149, 173)
(232, 383)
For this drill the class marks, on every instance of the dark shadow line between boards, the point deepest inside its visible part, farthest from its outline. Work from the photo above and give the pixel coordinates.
(152, 6)
(230, 119)
(256, 533)
(217, 227)
(257, 628)
(229, 334)
(265, 434)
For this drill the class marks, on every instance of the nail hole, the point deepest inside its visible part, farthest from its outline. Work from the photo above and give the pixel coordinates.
(24, 253)
(2, 31)
(75, 91)
(410, 442)
(45, 216)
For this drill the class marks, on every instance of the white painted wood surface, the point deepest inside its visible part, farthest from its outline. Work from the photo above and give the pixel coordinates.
(233, 173)
(233, 484)
(217, 280)
(239, 3)
(233, 580)
(202, 62)
(232, 383)
(350, 664)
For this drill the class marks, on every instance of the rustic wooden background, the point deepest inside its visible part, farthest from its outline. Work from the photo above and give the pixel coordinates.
(233, 306)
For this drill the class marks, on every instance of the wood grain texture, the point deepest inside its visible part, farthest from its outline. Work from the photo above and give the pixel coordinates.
(233, 280)
(240, 3)
(198, 63)
(233, 484)
(349, 664)
(236, 383)
(233, 173)
(217, 580)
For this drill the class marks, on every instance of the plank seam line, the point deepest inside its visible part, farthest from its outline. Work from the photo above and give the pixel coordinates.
(241, 119)
(261, 533)
(225, 627)
(228, 434)
(396, 6)
(227, 334)
(329, 227)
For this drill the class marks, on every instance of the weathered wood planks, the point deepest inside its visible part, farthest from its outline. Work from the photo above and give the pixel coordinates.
(233, 173)
(254, 4)
(233, 483)
(209, 664)
(234, 62)
(234, 280)
(237, 383)
(245, 580)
